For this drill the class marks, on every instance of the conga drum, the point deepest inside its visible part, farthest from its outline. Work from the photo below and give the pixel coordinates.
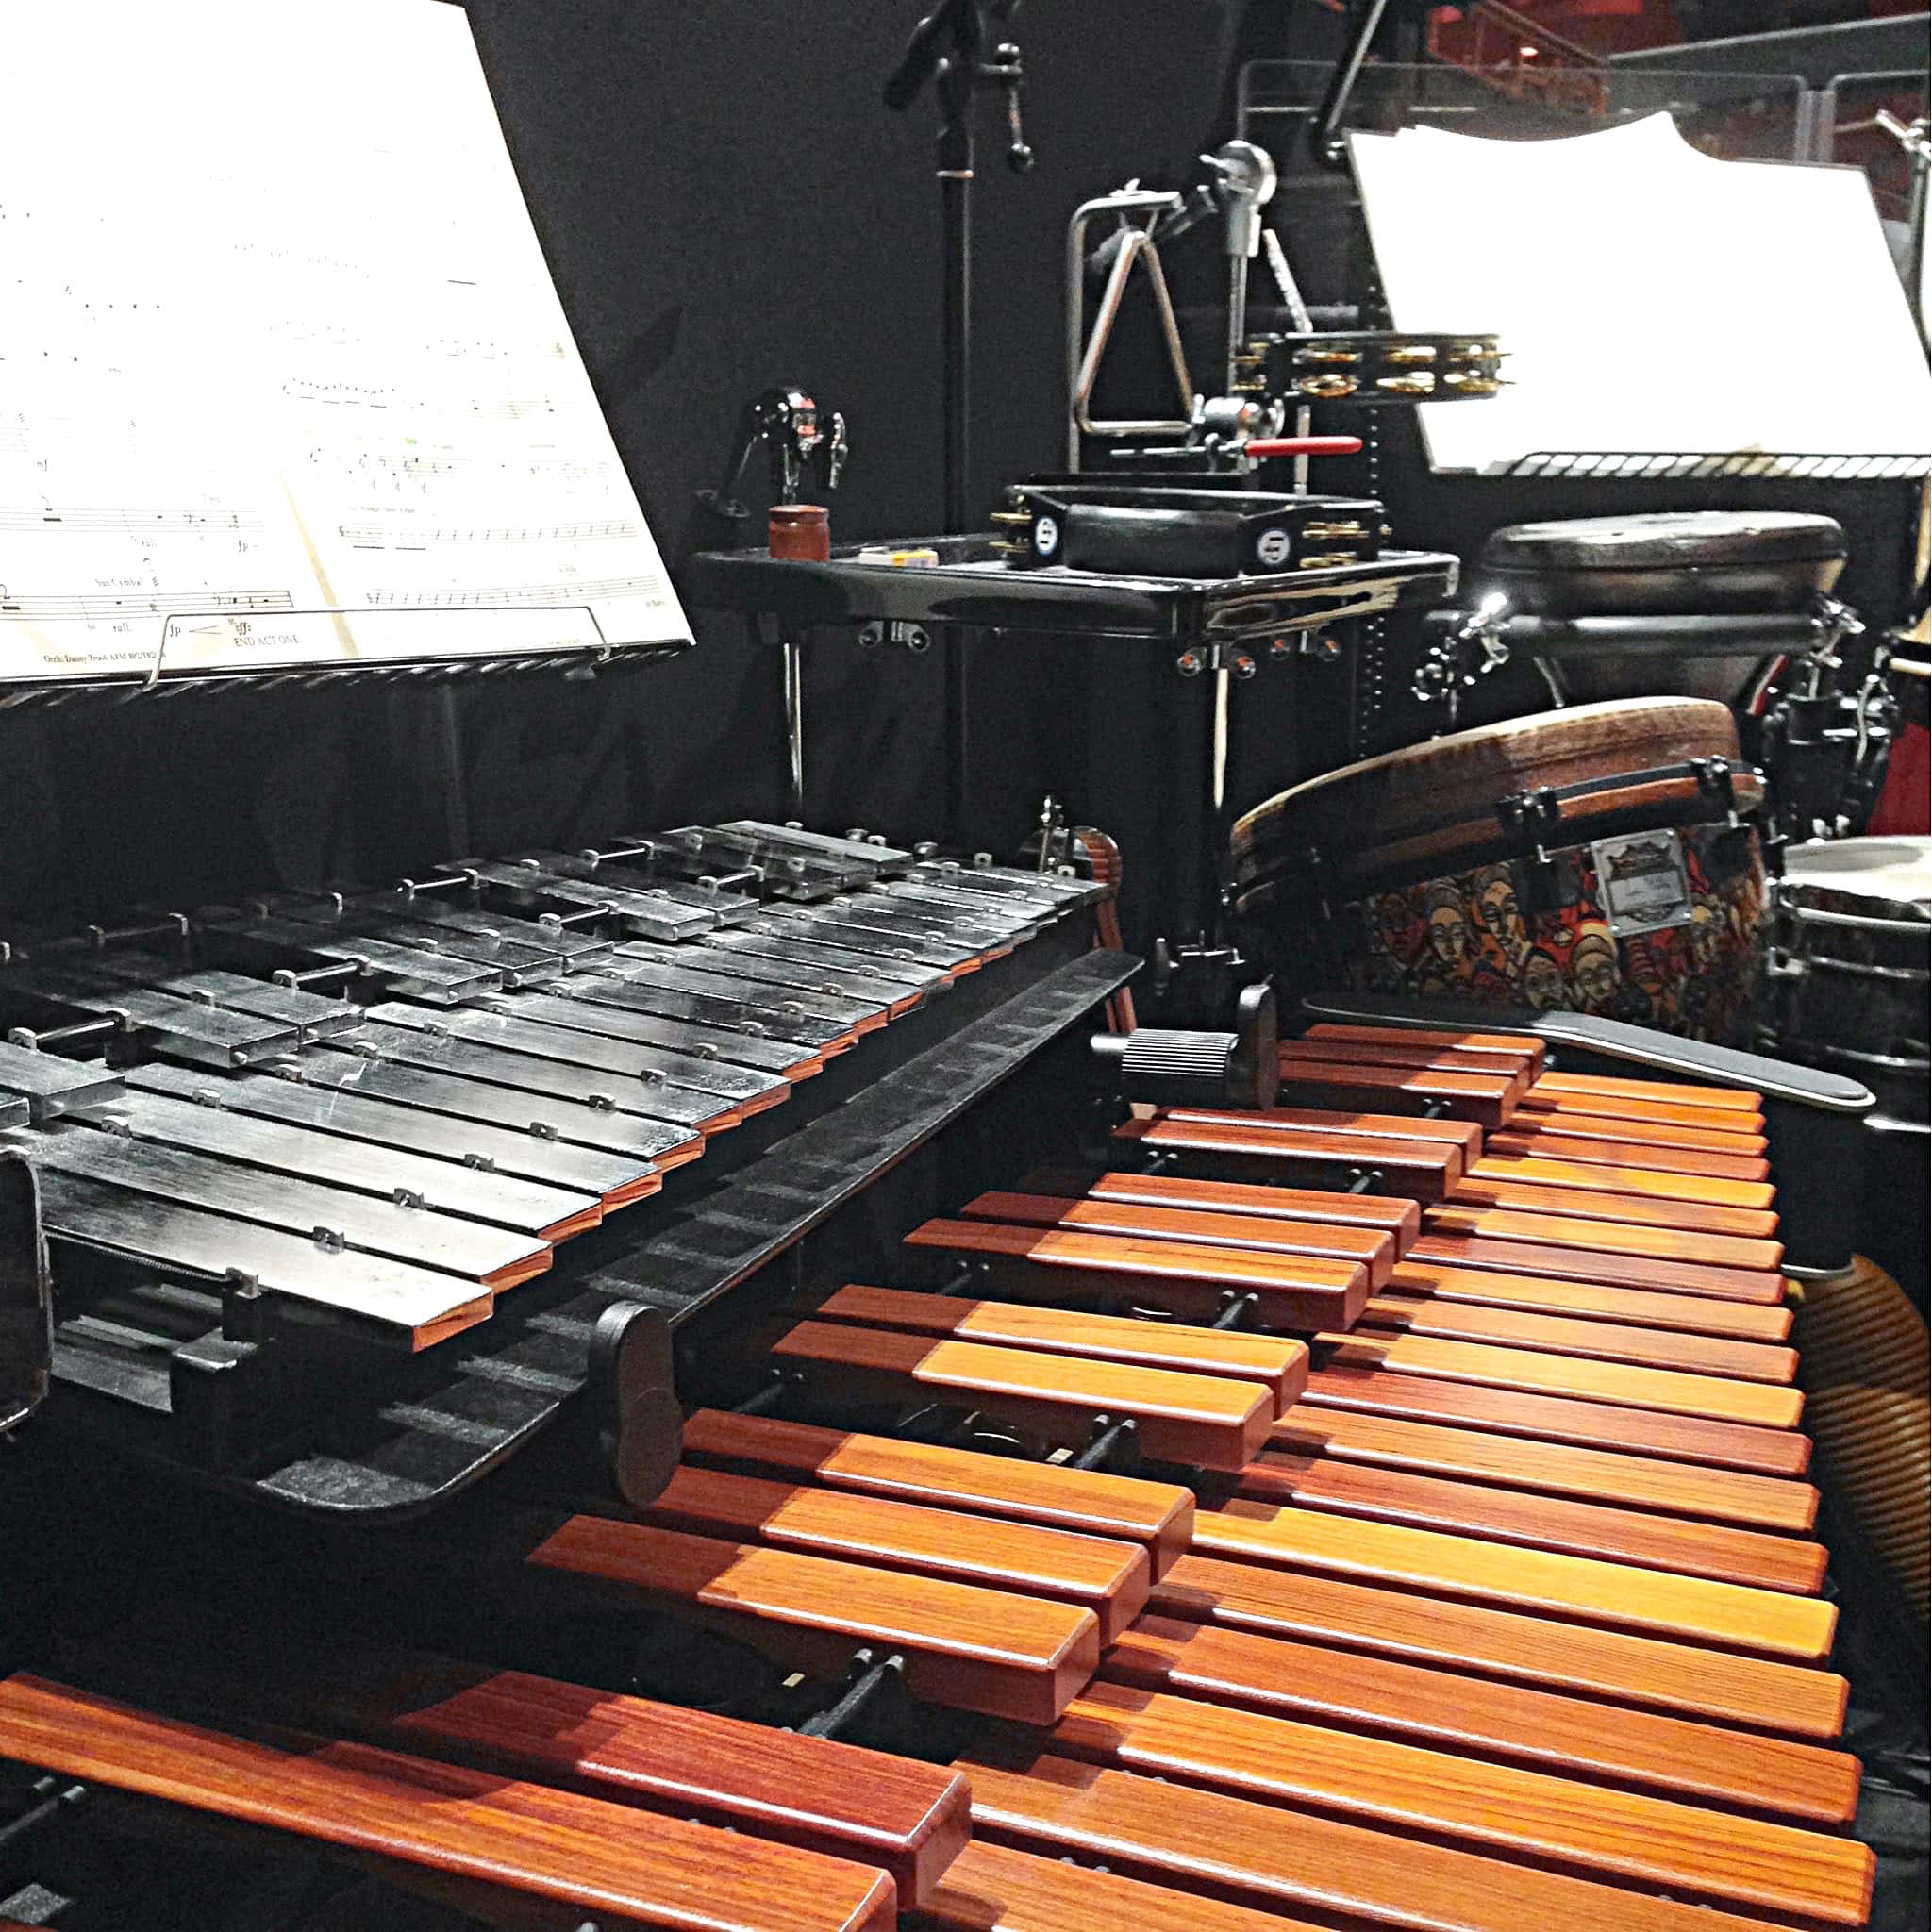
(1599, 859)
(1668, 568)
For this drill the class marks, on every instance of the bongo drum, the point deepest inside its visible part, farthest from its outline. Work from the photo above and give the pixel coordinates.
(1600, 860)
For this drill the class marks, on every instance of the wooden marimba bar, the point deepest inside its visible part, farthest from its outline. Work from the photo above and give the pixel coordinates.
(1471, 1584)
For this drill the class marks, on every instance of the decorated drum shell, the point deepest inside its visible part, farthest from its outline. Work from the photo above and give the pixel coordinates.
(1407, 875)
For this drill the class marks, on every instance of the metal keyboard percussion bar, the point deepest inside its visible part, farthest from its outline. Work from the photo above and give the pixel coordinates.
(413, 972)
(708, 972)
(839, 927)
(568, 943)
(388, 1301)
(816, 975)
(641, 915)
(48, 1085)
(705, 1071)
(490, 1258)
(313, 1015)
(715, 899)
(450, 1053)
(784, 869)
(650, 1020)
(676, 997)
(524, 1024)
(881, 857)
(358, 1067)
(520, 964)
(198, 1122)
(187, 1028)
(388, 1126)
(767, 938)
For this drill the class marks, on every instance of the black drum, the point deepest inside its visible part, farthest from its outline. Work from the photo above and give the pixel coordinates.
(1675, 567)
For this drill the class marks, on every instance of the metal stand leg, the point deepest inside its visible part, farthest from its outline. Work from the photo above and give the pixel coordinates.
(791, 657)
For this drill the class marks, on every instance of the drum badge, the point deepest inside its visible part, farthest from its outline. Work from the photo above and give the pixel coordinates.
(1642, 881)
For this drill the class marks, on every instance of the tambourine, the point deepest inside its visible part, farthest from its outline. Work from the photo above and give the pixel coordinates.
(1369, 367)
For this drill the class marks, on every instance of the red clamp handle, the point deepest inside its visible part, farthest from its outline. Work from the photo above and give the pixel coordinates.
(1302, 446)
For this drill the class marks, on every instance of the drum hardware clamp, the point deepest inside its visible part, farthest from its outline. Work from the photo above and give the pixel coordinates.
(909, 637)
(1533, 818)
(1456, 660)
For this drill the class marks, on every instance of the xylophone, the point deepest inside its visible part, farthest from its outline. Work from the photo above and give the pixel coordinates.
(1464, 1580)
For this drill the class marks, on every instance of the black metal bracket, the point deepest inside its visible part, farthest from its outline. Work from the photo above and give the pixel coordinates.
(633, 1393)
(1533, 819)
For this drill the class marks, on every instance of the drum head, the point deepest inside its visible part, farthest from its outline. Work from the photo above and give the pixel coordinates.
(1881, 878)
(1683, 563)
(1439, 801)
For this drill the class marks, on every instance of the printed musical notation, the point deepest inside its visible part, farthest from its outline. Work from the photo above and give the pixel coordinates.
(102, 607)
(562, 596)
(304, 358)
(401, 536)
(133, 523)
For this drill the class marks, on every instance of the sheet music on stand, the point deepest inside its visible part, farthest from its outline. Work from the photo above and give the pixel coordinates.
(1664, 314)
(284, 380)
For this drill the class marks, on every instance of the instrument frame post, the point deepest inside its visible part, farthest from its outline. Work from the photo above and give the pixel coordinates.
(949, 47)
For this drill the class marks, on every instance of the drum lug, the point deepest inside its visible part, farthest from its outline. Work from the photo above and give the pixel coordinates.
(1531, 818)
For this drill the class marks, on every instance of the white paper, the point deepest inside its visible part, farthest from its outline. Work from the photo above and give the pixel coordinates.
(1651, 300)
(276, 337)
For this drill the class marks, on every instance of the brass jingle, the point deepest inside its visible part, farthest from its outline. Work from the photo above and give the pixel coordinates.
(1472, 385)
(1251, 360)
(1410, 353)
(1320, 533)
(1020, 517)
(1327, 559)
(1304, 357)
(1477, 352)
(1407, 385)
(1326, 385)
(1248, 389)
(1006, 549)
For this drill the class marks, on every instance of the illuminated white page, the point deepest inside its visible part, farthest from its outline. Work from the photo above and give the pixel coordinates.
(276, 337)
(1651, 299)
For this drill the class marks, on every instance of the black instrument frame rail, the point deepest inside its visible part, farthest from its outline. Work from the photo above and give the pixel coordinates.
(321, 1424)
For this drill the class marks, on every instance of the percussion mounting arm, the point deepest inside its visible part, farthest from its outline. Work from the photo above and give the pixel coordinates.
(1462, 649)
(797, 441)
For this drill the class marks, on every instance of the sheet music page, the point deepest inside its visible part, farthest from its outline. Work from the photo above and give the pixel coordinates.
(1651, 299)
(276, 337)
